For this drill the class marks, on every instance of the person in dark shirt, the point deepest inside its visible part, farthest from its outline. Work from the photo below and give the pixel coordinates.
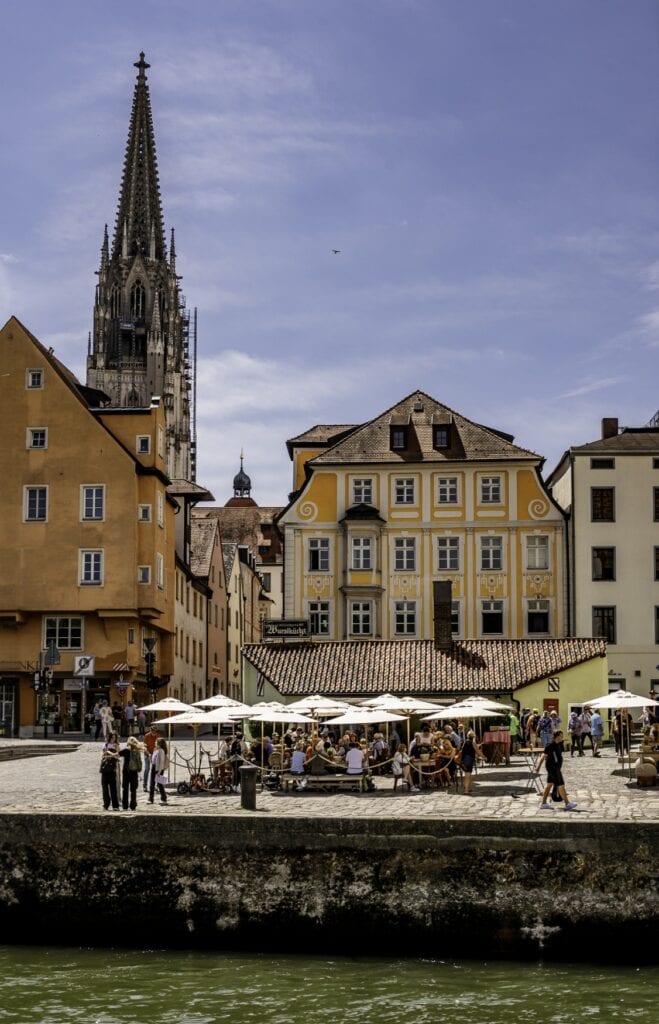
(553, 756)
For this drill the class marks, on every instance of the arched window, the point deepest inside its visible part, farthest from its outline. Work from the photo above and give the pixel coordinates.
(115, 301)
(133, 401)
(137, 301)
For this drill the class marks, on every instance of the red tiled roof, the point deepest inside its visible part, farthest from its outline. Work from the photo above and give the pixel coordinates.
(370, 667)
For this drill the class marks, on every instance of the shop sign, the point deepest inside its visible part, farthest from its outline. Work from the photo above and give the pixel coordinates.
(285, 629)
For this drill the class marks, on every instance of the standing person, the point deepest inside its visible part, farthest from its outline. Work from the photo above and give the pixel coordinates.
(532, 726)
(469, 752)
(596, 732)
(574, 729)
(585, 730)
(129, 715)
(131, 757)
(141, 723)
(159, 762)
(150, 739)
(553, 755)
(96, 715)
(108, 769)
(544, 729)
(514, 732)
(107, 721)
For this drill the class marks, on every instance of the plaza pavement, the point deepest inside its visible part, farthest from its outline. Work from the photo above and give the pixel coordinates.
(70, 783)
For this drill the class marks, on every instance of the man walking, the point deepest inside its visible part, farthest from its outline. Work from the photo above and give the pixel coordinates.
(150, 739)
(553, 755)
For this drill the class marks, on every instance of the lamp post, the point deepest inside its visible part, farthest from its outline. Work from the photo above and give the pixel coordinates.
(43, 677)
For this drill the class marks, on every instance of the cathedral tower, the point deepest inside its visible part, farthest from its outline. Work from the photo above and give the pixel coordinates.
(141, 325)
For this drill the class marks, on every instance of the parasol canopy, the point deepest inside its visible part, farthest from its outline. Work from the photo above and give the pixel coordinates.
(621, 699)
(167, 704)
(366, 716)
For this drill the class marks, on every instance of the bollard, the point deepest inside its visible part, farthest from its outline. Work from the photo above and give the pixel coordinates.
(248, 774)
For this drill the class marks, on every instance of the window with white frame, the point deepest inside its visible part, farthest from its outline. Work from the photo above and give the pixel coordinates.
(160, 571)
(143, 444)
(405, 554)
(455, 618)
(144, 574)
(92, 502)
(448, 554)
(491, 553)
(362, 491)
(404, 490)
(361, 618)
(319, 618)
(361, 553)
(318, 554)
(35, 504)
(447, 490)
(161, 508)
(537, 551)
(37, 437)
(537, 615)
(490, 490)
(144, 513)
(491, 617)
(33, 379)
(405, 618)
(64, 631)
(91, 566)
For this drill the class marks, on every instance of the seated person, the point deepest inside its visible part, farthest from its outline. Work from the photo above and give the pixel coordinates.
(355, 760)
(298, 759)
(445, 762)
(402, 769)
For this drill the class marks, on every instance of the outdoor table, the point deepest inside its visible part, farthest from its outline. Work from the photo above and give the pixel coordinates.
(532, 756)
(424, 770)
(498, 747)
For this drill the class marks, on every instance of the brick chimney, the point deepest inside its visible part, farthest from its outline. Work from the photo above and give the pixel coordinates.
(441, 601)
(609, 427)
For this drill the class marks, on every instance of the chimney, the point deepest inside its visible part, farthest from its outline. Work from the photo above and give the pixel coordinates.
(441, 600)
(609, 427)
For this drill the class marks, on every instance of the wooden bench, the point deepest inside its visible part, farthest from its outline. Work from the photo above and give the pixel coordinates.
(327, 781)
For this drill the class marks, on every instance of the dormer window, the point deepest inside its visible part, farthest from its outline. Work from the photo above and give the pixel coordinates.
(441, 437)
(398, 439)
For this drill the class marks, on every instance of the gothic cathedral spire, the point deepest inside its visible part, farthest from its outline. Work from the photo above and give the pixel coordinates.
(141, 325)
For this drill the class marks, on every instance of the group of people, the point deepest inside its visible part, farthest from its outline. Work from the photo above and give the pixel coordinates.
(122, 767)
(105, 718)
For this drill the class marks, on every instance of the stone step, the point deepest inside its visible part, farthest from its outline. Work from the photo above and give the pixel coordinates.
(15, 751)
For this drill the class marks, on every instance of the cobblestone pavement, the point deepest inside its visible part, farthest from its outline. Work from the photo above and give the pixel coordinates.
(70, 782)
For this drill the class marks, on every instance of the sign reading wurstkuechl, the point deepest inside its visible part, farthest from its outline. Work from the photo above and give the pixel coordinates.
(285, 629)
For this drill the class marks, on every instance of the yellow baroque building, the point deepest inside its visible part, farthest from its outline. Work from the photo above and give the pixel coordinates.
(86, 540)
(420, 493)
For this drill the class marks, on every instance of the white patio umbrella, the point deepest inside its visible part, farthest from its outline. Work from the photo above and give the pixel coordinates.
(218, 700)
(622, 700)
(236, 708)
(365, 716)
(167, 704)
(405, 706)
(318, 705)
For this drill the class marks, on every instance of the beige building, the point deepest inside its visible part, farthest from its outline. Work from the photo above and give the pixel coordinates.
(610, 488)
(86, 539)
(420, 493)
(208, 568)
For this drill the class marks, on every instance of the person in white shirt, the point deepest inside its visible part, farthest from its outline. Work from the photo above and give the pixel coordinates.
(355, 760)
(401, 768)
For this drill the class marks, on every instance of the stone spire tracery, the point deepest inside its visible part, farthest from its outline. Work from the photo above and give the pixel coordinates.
(141, 325)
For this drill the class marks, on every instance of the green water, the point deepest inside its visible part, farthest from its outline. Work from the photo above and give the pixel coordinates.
(72, 986)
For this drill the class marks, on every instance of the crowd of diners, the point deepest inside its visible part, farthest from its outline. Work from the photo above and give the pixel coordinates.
(434, 758)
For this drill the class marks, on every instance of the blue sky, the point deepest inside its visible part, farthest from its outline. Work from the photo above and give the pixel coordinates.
(489, 170)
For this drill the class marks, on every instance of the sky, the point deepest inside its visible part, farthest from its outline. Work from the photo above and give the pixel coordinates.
(488, 169)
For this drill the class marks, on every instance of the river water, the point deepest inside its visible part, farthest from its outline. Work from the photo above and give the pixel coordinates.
(91, 986)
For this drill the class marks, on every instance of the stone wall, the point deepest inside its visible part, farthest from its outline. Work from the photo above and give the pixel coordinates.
(560, 889)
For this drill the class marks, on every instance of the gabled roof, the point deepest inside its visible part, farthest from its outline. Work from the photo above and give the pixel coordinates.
(320, 435)
(228, 554)
(354, 668)
(202, 537)
(245, 525)
(631, 441)
(420, 413)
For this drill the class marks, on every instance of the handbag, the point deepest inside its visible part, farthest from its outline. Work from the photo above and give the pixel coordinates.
(161, 779)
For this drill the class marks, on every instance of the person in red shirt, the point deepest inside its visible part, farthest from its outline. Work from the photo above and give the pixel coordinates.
(150, 739)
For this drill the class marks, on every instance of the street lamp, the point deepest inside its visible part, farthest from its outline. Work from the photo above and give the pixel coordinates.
(43, 677)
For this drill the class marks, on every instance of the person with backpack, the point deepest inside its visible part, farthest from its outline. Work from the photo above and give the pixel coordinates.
(585, 730)
(574, 729)
(545, 729)
(131, 767)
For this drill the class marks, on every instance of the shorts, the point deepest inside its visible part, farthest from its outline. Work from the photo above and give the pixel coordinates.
(556, 778)
(467, 764)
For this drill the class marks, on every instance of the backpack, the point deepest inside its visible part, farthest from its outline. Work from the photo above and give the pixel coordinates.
(134, 761)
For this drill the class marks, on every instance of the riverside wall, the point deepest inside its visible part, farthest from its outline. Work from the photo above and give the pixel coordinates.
(432, 887)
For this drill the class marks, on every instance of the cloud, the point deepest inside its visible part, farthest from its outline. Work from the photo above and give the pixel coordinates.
(588, 387)
(8, 257)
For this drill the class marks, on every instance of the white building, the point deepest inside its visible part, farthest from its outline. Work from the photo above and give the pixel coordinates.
(610, 488)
